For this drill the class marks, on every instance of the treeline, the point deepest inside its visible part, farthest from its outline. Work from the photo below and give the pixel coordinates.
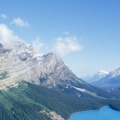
(62, 103)
(25, 103)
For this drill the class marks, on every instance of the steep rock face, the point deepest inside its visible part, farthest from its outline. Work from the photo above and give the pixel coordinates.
(55, 73)
(21, 63)
(17, 63)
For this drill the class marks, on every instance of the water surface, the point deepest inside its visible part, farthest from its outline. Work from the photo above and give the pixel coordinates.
(105, 113)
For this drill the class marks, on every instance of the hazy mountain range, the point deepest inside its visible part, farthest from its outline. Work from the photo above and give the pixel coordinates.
(109, 81)
(97, 76)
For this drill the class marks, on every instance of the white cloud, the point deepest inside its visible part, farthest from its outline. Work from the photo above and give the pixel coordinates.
(3, 16)
(62, 45)
(66, 33)
(7, 36)
(66, 45)
(37, 45)
(20, 22)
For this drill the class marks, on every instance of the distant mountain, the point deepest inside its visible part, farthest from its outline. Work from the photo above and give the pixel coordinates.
(109, 82)
(96, 77)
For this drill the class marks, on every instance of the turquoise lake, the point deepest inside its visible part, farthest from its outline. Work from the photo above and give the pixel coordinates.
(105, 113)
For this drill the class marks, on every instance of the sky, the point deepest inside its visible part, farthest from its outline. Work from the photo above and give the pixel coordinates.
(85, 34)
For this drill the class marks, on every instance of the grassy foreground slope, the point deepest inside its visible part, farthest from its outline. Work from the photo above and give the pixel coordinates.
(32, 102)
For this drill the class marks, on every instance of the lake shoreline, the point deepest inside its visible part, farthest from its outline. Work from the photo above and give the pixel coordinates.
(93, 110)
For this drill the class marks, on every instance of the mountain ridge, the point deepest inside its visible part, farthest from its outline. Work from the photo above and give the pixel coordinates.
(95, 77)
(22, 64)
(34, 86)
(110, 82)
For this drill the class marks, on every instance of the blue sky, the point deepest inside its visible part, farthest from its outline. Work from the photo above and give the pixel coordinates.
(84, 33)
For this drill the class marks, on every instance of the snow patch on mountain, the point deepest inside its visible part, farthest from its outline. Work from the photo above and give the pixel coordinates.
(102, 72)
(88, 92)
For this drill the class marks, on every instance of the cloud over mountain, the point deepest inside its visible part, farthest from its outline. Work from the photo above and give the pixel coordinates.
(66, 45)
(7, 36)
(37, 45)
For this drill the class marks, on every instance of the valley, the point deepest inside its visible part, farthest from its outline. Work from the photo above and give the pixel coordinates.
(36, 102)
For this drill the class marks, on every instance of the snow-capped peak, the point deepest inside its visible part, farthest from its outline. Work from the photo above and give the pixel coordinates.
(95, 77)
(115, 73)
(102, 72)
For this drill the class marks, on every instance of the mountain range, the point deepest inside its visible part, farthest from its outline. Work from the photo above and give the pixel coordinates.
(97, 76)
(110, 82)
(20, 63)
(34, 86)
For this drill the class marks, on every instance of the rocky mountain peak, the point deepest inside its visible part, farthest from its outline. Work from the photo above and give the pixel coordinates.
(21, 64)
(52, 59)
